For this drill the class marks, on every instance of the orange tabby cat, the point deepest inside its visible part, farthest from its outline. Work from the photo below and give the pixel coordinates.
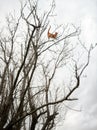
(51, 35)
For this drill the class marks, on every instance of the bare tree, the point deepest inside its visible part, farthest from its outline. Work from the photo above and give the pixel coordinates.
(30, 95)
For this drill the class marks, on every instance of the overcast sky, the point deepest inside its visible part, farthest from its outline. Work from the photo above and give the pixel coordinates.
(83, 13)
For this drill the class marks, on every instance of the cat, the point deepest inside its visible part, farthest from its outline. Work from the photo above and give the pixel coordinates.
(52, 35)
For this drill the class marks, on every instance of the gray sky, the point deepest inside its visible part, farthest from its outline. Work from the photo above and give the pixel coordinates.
(83, 13)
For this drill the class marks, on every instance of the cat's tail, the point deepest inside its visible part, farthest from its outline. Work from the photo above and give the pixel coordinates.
(49, 29)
